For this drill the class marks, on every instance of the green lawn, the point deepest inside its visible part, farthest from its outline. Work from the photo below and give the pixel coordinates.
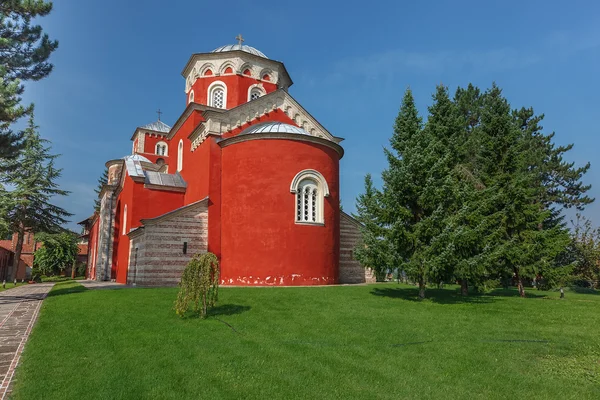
(359, 342)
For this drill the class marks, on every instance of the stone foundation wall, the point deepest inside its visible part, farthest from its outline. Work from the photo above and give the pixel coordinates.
(350, 270)
(160, 257)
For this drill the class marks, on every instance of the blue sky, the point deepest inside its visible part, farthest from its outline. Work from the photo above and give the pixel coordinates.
(118, 62)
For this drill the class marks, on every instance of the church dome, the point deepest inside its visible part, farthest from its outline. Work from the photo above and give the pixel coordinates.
(274, 127)
(246, 48)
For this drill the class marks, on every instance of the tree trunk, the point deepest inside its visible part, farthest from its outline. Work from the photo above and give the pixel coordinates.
(421, 287)
(464, 287)
(18, 249)
(74, 269)
(519, 283)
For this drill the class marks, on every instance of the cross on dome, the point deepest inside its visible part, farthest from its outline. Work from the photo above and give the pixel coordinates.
(159, 113)
(240, 39)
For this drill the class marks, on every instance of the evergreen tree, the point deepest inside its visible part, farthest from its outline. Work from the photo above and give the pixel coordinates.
(24, 53)
(408, 193)
(28, 206)
(373, 251)
(103, 180)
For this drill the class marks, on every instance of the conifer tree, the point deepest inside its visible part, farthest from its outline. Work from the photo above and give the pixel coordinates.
(24, 53)
(524, 178)
(407, 205)
(373, 250)
(103, 180)
(28, 206)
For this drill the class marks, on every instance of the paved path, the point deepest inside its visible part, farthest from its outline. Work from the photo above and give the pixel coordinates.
(103, 284)
(19, 308)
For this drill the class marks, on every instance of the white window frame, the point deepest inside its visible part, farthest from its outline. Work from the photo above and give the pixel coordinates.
(180, 155)
(161, 143)
(305, 208)
(191, 96)
(255, 88)
(125, 220)
(212, 88)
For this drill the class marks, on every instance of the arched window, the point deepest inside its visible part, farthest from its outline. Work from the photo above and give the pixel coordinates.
(161, 149)
(180, 155)
(310, 188)
(254, 93)
(191, 97)
(217, 95)
(125, 220)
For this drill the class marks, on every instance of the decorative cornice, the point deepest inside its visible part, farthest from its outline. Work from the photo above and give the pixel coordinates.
(218, 123)
(238, 60)
(282, 136)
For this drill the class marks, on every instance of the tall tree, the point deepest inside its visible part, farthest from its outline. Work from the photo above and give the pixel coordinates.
(103, 180)
(24, 53)
(408, 192)
(28, 205)
(373, 250)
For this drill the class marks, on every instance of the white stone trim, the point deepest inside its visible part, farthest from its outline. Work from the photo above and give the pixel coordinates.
(180, 155)
(257, 87)
(161, 143)
(124, 230)
(191, 96)
(210, 90)
(316, 181)
(219, 62)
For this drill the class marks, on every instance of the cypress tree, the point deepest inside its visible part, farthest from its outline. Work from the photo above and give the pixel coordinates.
(24, 53)
(28, 206)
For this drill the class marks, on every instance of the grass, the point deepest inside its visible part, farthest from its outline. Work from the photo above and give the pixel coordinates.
(359, 342)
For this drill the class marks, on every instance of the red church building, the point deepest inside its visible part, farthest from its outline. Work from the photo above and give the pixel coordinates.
(245, 173)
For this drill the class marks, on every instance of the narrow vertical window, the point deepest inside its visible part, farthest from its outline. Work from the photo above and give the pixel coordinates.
(180, 155)
(184, 247)
(125, 220)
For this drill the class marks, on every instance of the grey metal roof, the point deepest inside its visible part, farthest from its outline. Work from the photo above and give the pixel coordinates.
(274, 127)
(161, 179)
(132, 163)
(246, 48)
(158, 126)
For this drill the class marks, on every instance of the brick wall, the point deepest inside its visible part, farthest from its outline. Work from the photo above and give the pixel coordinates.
(159, 259)
(350, 270)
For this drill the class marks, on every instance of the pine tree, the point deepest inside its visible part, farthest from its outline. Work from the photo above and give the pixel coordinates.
(524, 178)
(373, 250)
(29, 205)
(409, 195)
(24, 53)
(103, 180)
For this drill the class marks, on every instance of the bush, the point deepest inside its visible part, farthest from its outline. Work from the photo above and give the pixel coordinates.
(199, 282)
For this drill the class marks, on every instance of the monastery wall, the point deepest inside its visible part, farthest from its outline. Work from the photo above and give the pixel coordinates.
(350, 270)
(160, 259)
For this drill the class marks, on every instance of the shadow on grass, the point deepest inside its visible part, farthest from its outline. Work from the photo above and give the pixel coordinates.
(584, 290)
(219, 311)
(67, 290)
(446, 296)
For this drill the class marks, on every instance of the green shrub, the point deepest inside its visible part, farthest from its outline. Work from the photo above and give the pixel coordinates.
(199, 283)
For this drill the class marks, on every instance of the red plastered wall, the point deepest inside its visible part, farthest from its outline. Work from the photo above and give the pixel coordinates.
(261, 243)
(237, 88)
